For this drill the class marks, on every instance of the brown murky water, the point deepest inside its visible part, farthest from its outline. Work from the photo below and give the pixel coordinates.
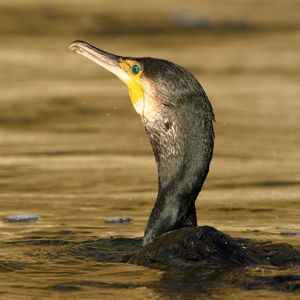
(74, 152)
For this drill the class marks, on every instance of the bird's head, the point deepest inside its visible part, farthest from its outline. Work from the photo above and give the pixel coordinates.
(155, 86)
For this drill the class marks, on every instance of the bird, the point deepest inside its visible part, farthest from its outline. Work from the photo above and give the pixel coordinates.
(178, 118)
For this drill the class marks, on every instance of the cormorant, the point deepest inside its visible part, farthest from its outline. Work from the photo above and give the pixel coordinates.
(178, 119)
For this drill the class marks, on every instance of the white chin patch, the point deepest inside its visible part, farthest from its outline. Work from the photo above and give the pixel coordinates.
(146, 109)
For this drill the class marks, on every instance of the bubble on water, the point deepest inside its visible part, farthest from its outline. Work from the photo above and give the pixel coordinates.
(289, 233)
(22, 218)
(118, 220)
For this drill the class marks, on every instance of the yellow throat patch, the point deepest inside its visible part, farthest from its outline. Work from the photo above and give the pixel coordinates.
(135, 87)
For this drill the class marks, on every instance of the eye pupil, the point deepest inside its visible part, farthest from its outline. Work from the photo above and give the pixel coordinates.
(135, 69)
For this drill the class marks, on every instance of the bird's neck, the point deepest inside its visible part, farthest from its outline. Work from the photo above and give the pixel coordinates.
(183, 152)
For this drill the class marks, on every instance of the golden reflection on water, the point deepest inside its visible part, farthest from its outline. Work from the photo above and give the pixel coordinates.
(73, 151)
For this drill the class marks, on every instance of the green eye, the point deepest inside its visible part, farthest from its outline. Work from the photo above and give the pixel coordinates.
(135, 69)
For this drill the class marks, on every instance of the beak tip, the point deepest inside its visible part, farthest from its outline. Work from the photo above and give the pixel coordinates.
(75, 46)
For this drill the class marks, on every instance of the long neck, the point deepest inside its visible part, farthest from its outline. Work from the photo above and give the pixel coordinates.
(183, 149)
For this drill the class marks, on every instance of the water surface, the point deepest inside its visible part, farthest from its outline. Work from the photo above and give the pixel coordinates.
(73, 151)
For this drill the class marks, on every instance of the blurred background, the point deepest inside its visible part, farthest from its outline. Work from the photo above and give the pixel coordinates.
(68, 130)
(73, 150)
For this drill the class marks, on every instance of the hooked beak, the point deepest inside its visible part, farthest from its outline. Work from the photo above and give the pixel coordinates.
(109, 61)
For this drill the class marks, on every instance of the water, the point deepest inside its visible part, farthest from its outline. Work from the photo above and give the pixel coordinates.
(74, 152)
